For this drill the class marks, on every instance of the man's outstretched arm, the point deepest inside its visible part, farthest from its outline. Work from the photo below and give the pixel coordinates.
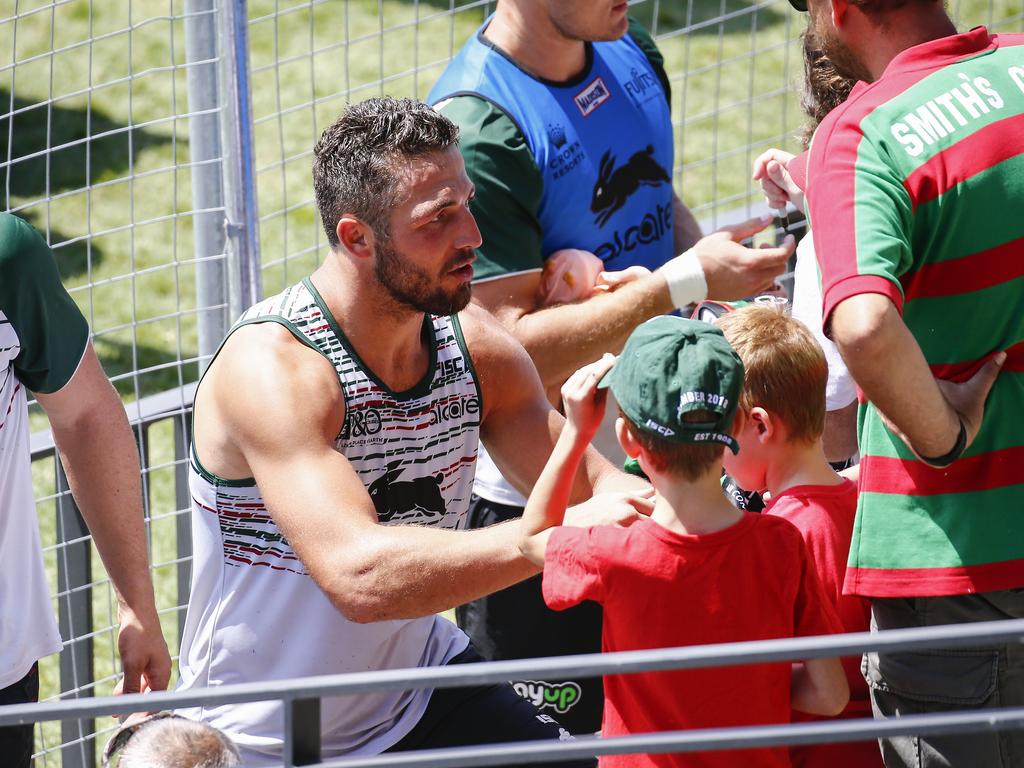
(369, 571)
(101, 461)
(560, 339)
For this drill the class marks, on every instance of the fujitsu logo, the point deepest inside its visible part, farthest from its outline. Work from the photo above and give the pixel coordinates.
(592, 97)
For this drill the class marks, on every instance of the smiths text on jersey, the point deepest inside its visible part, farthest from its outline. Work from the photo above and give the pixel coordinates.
(593, 96)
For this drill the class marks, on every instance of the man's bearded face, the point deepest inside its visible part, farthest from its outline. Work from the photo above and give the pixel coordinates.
(826, 38)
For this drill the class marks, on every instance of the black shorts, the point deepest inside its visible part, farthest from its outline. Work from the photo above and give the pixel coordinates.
(16, 741)
(516, 624)
(482, 714)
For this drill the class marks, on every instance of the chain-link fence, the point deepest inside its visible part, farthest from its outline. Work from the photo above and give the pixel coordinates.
(163, 147)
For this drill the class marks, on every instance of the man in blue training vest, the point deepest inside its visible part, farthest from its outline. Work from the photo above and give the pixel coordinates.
(563, 110)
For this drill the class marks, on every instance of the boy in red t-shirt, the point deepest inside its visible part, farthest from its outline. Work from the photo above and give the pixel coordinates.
(783, 404)
(698, 570)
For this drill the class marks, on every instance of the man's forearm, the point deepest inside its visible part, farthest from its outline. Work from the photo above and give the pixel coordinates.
(563, 338)
(102, 465)
(888, 365)
(405, 572)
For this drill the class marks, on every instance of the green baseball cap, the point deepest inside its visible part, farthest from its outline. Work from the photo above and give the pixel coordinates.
(672, 366)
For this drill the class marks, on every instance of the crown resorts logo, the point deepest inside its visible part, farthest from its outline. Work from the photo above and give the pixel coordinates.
(565, 155)
(557, 135)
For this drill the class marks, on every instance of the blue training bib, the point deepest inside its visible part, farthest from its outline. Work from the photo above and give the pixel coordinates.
(602, 144)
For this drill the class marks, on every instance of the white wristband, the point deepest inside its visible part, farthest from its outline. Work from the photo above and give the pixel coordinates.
(685, 278)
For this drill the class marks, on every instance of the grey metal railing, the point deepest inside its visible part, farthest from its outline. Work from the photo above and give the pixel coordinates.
(301, 697)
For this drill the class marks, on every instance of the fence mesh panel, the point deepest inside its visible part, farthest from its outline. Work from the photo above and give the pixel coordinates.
(102, 141)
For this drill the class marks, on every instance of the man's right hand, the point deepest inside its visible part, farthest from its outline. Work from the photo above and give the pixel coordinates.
(735, 272)
(771, 168)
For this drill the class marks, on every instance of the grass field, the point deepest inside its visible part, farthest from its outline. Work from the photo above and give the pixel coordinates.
(96, 155)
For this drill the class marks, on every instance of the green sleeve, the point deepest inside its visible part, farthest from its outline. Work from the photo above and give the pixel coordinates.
(643, 39)
(51, 330)
(508, 187)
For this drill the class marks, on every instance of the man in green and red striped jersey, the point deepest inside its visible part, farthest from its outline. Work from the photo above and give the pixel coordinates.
(915, 189)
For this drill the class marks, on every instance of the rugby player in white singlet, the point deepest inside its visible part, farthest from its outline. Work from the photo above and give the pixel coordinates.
(335, 439)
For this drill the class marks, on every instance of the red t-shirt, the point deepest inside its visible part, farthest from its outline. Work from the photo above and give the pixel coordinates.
(751, 581)
(824, 516)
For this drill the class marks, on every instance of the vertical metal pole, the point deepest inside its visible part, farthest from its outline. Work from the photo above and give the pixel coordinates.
(74, 574)
(240, 163)
(301, 732)
(183, 514)
(207, 176)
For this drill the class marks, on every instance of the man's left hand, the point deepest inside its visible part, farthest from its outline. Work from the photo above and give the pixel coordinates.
(144, 656)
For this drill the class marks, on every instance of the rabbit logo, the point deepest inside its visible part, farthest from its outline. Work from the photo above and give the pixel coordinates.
(403, 499)
(615, 185)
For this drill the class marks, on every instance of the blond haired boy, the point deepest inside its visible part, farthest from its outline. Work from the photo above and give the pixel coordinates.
(698, 570)
(780, 438)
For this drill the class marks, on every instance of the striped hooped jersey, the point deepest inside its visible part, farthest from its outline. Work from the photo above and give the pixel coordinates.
(916, 192)
(256, 614)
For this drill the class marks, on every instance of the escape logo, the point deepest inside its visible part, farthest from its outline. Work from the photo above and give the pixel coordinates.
(558, 696)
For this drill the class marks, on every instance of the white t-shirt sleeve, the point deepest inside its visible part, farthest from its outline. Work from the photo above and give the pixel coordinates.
(807, 307)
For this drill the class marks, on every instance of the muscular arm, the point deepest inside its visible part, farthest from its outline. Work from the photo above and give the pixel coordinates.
(369, 571)
(520, 428)
(562, 338)
(99, 456)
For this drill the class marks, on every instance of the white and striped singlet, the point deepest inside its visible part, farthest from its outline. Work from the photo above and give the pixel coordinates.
(256, 614)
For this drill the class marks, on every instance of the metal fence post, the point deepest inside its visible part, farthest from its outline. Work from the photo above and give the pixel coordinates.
(302, 732)
(240, 163)
(182, 515)
(204, 134)
(74, 575)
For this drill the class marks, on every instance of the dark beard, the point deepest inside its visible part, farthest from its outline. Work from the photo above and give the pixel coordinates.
(843, 59)
(411, 287)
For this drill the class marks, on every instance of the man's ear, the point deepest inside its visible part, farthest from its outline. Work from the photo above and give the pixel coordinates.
(355, 236)
(839, 9)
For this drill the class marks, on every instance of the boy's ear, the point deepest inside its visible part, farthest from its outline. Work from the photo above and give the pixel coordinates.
(765, 425)
(627, 442)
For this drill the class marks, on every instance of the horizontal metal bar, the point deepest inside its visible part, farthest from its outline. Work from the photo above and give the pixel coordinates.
(586, 665)
(711, 739)
(163, 405)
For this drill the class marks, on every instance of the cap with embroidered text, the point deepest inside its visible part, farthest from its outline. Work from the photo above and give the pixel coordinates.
(671, 367)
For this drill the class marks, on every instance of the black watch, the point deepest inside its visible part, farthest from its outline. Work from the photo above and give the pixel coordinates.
(948, 458)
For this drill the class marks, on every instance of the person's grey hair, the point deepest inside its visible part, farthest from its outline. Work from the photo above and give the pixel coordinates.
(177, 742)
(356, 162)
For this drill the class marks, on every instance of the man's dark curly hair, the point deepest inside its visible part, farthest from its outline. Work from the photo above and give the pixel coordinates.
(356, 160)
(824, 88)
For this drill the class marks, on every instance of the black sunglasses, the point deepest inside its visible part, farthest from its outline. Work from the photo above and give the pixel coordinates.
(800, 5)
(124, 734)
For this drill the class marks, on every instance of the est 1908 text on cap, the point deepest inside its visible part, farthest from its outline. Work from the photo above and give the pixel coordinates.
(671, 367)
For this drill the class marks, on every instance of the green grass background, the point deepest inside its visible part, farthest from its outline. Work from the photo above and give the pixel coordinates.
(98, 143)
